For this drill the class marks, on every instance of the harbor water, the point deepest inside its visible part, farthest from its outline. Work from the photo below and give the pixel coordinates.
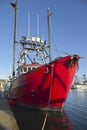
(74, 116)
(76, 107)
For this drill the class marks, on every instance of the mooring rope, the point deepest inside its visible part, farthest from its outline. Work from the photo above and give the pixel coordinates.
(45, 119)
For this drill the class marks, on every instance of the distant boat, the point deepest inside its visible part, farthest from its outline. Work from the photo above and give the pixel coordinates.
(42, 85)
(80, 84)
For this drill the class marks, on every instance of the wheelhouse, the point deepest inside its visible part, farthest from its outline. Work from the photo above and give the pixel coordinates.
(25, 68)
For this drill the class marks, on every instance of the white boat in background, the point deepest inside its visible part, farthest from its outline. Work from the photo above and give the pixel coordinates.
(80, 83)
(79, 86)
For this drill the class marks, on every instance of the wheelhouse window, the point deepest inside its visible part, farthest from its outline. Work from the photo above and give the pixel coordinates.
(29, 69)
(25, 70)
(33, 68)
(21, 70)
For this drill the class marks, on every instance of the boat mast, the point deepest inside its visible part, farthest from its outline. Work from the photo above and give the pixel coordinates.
(28, 23)
(14, 5)
(37, 25)
(49, 39)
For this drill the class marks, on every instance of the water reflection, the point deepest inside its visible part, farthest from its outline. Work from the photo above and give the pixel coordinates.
(76, 106)
(38, 120)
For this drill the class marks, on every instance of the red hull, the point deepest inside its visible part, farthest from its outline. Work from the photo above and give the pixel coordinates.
(47, 86)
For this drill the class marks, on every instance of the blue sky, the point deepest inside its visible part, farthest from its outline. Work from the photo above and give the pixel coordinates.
(68, 28)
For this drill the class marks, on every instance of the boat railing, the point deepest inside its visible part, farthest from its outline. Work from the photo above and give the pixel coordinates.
(32, 41)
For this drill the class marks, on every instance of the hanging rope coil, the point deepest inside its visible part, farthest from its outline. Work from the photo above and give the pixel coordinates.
(74, 60)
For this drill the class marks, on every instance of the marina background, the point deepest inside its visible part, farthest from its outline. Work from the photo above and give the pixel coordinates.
(68, 28)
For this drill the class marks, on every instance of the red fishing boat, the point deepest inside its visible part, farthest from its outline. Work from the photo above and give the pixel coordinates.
(40, 82)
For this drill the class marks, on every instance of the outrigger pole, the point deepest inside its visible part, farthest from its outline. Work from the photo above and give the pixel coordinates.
(49, 38)
(14, 5)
